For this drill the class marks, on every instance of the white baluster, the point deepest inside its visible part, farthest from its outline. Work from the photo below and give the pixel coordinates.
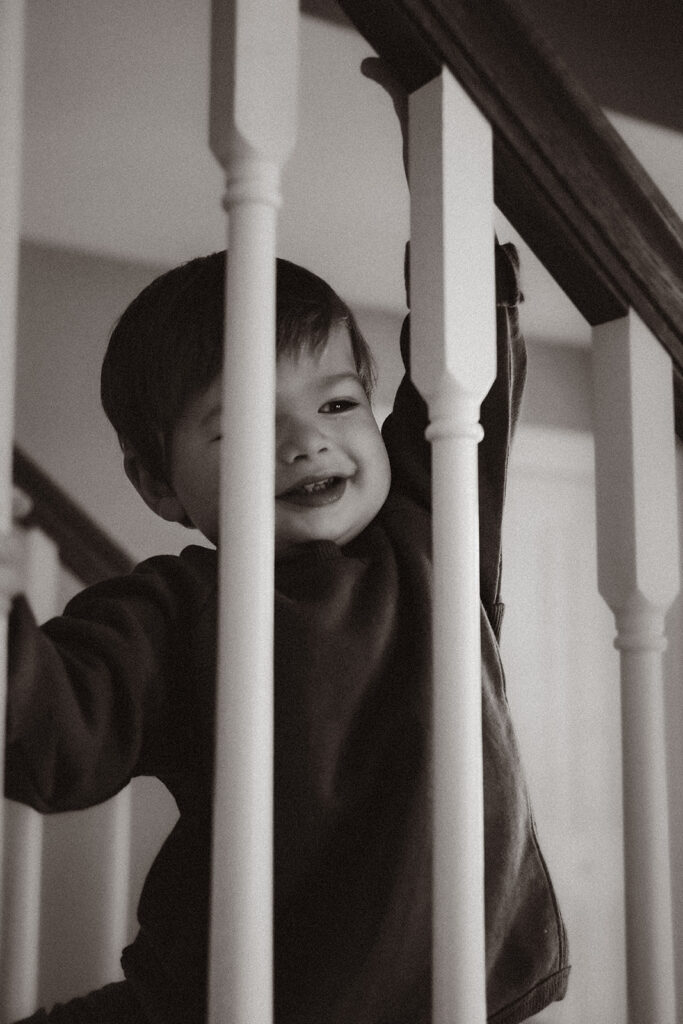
(253, 106)
(638, 577)
(453, 360)
(24, 826)
(21, 905)
(11, 112)
(114, 896)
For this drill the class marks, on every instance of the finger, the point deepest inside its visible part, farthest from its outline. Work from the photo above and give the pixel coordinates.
(375, 69)
(372, 67)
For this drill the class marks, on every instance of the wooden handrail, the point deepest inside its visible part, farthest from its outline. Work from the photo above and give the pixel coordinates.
(563, 176)
(84, 548)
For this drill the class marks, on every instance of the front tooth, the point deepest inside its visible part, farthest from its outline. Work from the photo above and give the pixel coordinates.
(317, 485)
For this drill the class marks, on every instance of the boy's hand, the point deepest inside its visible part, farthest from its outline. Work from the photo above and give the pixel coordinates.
(375, 69)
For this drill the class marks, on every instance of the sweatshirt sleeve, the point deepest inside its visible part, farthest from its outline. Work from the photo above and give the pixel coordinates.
(89, 692)
(410, 453)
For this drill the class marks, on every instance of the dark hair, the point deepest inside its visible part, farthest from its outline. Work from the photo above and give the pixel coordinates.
(168, 345)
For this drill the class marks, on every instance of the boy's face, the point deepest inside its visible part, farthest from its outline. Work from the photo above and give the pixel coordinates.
(331, 467)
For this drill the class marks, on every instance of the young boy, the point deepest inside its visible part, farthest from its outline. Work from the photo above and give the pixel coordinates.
(123, 684)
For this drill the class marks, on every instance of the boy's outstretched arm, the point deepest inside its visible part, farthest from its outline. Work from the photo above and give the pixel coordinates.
(403, 431)
(499, 415)
(90, 693)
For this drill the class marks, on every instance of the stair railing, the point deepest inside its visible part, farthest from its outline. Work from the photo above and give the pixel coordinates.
(569, 185)
(493, 118)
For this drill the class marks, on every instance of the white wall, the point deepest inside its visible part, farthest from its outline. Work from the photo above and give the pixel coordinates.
(117, 158)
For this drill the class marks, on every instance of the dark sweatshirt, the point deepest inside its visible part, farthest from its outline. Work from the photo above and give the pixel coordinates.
(123, 684)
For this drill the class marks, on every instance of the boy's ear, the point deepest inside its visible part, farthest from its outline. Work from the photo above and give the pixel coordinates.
(155, 492)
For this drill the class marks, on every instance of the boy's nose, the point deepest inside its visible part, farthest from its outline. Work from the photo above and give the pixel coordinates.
(301, 442)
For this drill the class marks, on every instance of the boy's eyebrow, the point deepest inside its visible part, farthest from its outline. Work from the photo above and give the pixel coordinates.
(340, 378)
(332, 380)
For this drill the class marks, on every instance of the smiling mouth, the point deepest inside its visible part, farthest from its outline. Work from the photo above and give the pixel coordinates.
(315, 493)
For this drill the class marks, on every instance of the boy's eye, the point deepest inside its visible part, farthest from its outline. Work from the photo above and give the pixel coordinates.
(338, 405)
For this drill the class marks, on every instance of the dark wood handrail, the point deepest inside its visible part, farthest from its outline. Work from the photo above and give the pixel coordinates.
(563, 176)
(84, 548)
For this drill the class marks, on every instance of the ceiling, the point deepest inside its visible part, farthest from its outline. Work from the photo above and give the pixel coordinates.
(116, 159)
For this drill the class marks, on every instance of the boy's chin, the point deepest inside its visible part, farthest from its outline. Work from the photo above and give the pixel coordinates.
(289, 543)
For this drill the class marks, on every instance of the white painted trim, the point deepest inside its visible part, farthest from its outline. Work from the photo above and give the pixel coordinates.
(638, 576)
(12, 32)
(453, 361)
(252, 130)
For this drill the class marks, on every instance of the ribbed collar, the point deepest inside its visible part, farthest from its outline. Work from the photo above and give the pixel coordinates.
(317, 552)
